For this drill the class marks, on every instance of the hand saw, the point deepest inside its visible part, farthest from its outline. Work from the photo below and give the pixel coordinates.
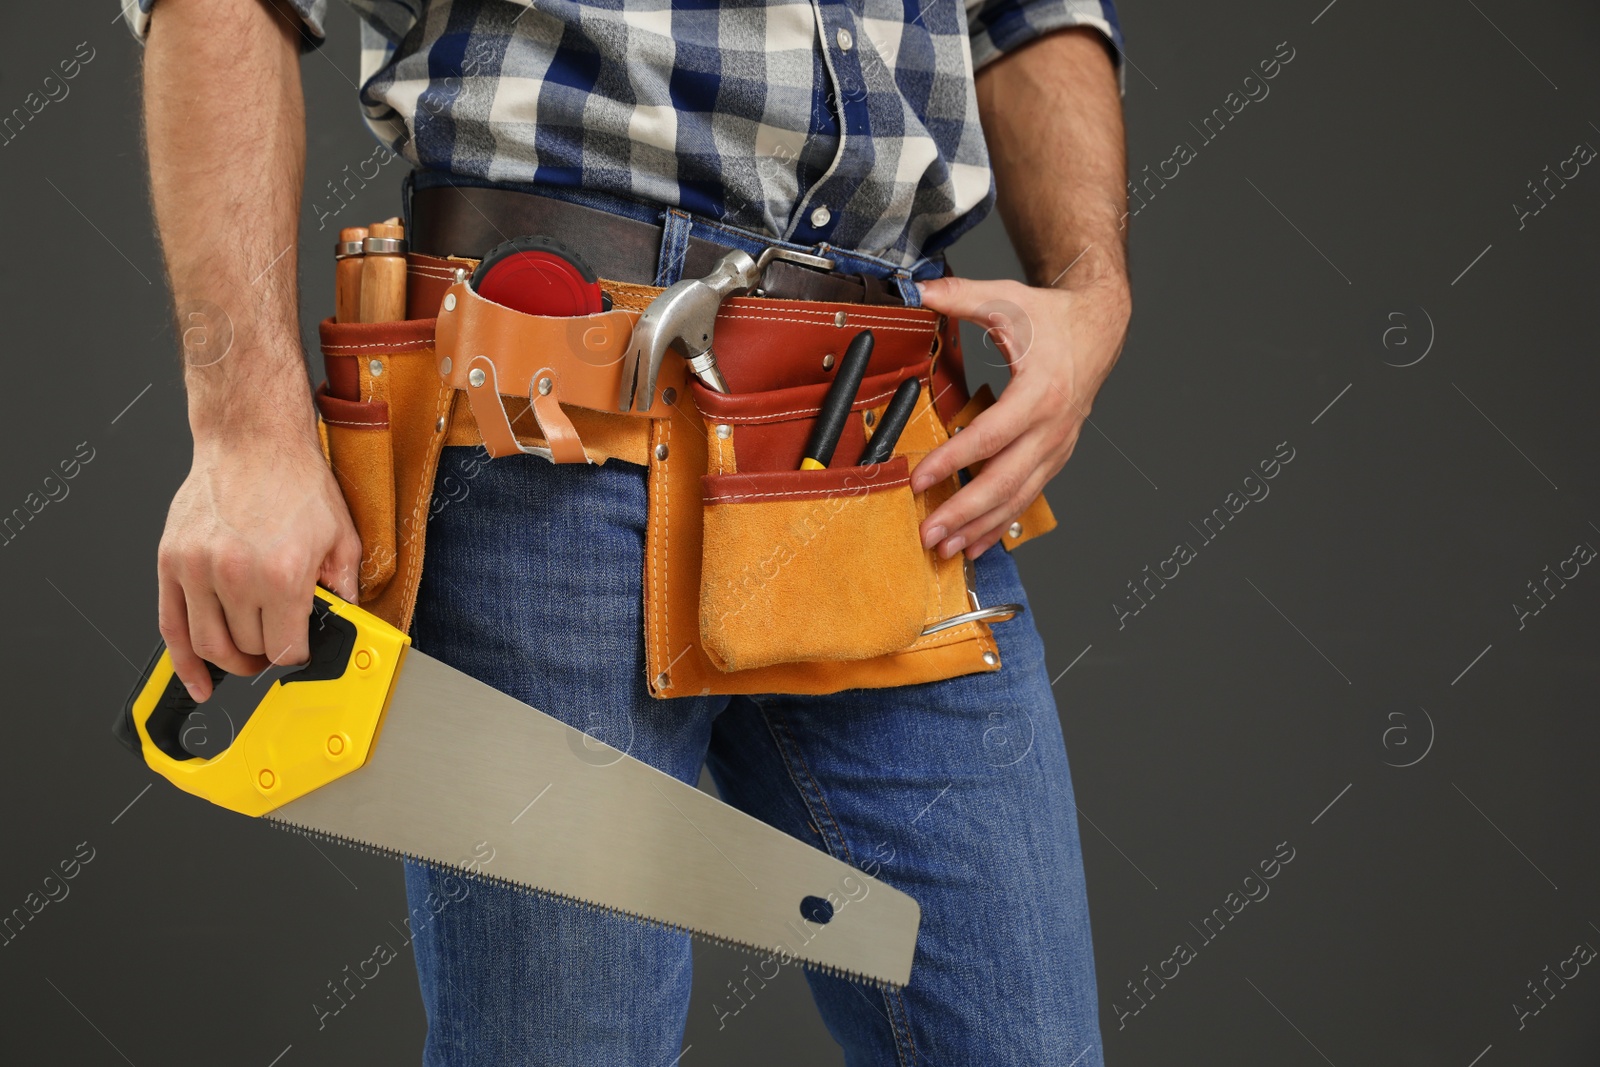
(377, 745)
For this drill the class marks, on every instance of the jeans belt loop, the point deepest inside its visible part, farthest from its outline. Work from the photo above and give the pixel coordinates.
(675, 228)
(908, 288)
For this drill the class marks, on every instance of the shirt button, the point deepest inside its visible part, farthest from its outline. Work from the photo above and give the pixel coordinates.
(821, 217)
(844, 39)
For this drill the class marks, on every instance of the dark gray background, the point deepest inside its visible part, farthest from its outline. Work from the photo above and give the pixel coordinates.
(1357, 618)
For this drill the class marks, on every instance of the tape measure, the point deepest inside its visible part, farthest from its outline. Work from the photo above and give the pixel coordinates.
(539, 276)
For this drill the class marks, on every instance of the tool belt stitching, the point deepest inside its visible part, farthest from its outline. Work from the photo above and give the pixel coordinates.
(734, 498)
(736, 314)
(387, 346)
(662, 523)
(779, 416)
(424, 499)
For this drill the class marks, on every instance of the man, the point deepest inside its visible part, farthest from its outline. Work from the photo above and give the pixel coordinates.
(855, 124)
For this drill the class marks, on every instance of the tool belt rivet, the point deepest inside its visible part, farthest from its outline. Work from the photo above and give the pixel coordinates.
(827, 361)
(439, 426)
(544, 386)
(444, 366)
(724, 431)
(1015, 529)
(990, 658)
(476, 378)
(868, 417)
(840, 318)
(669, 396)
(663, 681)
(450, 301)
(376, 367)
(661, 451)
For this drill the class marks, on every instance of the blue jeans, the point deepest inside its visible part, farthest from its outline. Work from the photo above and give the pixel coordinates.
(956, 792)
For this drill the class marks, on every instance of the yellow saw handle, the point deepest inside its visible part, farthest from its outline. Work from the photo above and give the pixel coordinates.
(312, 726)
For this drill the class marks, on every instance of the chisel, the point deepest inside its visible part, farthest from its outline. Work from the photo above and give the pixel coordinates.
(347, 254)
(383, 273)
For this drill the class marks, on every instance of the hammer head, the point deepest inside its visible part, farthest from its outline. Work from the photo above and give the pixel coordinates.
(683, 317)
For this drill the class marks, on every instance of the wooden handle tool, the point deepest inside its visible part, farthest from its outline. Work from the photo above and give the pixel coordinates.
(347, 274)
(383, 273)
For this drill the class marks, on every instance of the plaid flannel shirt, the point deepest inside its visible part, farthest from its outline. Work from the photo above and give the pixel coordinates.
(847, 122)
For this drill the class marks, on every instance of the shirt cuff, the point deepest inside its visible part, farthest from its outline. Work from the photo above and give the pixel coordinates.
(136, 16)
(1000, 26)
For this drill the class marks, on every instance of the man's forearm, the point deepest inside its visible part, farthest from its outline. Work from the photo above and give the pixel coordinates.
(225, 132)
(1052, 116)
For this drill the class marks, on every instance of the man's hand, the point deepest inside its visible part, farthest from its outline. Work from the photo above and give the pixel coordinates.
(260, 519)
(250, 532)
(1060, 344)
(1052, 117)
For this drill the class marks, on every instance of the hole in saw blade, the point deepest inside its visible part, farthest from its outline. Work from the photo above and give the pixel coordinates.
(816, 909)
(211, 727)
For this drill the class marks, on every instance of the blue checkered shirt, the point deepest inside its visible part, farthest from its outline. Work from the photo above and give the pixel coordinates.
(850, 122)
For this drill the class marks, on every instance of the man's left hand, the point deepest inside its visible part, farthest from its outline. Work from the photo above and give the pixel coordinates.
(1061, 345)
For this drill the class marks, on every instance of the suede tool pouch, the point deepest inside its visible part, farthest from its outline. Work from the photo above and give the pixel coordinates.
(811, 565)
(807, 565)
(384, 413)
(360, 448)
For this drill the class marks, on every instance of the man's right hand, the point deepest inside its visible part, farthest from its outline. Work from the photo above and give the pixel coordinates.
(254, 527)
(260, 520)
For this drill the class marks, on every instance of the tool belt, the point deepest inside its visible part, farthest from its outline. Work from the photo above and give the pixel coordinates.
(758, 577)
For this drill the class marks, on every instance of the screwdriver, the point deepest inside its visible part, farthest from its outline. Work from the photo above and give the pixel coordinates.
(836, 405)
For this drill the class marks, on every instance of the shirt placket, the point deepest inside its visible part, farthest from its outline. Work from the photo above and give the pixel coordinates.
(822, 208)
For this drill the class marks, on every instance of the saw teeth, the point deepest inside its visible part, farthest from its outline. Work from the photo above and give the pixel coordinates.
(645, 920)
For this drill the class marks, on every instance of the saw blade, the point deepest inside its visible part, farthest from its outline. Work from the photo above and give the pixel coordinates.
(465, 777)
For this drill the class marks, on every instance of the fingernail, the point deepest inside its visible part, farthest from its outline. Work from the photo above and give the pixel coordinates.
(922, 290)
(194, 694)
(955, 545)
(933, 537)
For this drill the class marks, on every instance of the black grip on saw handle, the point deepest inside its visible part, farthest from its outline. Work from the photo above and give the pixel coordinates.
(330, 639)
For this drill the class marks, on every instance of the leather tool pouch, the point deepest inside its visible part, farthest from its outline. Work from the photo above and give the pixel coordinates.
(758, 577)
(762, 578)
(801, 565)
(383, 413)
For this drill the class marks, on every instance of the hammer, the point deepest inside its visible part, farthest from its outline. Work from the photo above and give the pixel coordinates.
(684, 315)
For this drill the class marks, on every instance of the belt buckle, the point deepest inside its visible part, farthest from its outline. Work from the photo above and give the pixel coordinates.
(788, 255)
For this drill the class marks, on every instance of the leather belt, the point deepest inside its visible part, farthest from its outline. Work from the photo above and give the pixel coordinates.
(466, 221)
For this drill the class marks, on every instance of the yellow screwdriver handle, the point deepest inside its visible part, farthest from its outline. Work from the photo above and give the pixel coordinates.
(312, 726)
